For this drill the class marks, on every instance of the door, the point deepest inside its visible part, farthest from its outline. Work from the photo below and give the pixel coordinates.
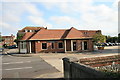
(32, 47)
(23, 47)
(85, 45)
(74, 46)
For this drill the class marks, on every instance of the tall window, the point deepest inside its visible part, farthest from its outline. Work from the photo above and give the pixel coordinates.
(44, 45)
(52, 45)
(60, 45)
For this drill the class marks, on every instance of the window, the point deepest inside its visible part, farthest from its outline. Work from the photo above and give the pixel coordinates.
(28, 30)
(85, 32)
(60, 45)
(52, 45)
(33, 30)
(44, 45)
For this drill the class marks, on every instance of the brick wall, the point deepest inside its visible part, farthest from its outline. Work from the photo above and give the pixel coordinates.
(38, 45)
(89, 47)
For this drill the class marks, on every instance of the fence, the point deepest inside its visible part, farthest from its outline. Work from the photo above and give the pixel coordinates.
(73, 69)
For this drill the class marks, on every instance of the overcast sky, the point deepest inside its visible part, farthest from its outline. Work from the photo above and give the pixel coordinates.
(59, 14)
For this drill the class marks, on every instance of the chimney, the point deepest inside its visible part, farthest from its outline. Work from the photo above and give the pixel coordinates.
(46, 28)
(11, 34)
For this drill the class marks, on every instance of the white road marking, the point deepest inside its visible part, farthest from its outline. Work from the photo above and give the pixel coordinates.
(17, 62)
(18, 68)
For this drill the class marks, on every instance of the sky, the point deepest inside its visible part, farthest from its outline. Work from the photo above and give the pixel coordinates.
(59, 14)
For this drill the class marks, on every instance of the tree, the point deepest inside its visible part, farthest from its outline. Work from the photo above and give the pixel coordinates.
(99, 38)
(19, 36)
(112, 39)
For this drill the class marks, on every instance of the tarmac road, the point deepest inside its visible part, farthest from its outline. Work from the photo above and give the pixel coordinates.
(24, 67)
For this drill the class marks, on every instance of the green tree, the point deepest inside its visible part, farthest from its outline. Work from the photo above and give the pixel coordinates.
(19, 36)
(1, 39)
(112, 39)
(99, 38)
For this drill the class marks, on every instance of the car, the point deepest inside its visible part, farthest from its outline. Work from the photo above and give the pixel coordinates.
(12, 47)
(116, 43)
(106, 44)
(110, 44)
(1, 49)
(113, 44)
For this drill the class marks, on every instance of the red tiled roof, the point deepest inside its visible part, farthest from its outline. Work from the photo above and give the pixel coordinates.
(46, 34)
(27, 35)
(30, 28)
(90, 33)
(74, 33)
(8, 36)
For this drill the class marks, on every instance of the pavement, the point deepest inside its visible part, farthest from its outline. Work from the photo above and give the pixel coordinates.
(25, 67)
(55, 59)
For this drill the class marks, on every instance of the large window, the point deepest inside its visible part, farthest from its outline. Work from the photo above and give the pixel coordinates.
(60, 45)
(52, 45)
(44, 45)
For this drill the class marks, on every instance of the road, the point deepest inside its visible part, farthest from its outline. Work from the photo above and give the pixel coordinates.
(24, 67)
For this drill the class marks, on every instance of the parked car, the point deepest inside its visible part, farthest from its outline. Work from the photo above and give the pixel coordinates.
(110, 44)
(12, 47)
(1, 49)
(116, 43)
(106, 44)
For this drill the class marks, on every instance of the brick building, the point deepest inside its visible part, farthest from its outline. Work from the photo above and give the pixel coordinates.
(54, 40)
(8, 40)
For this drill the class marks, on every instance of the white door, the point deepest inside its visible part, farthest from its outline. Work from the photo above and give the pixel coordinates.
(23, 47)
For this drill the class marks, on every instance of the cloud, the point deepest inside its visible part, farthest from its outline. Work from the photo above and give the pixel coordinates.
(39, 21)
(12, 13)
(82, 14)
(90, 16)
(7, 28)
(32, 9)
(64, 20)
